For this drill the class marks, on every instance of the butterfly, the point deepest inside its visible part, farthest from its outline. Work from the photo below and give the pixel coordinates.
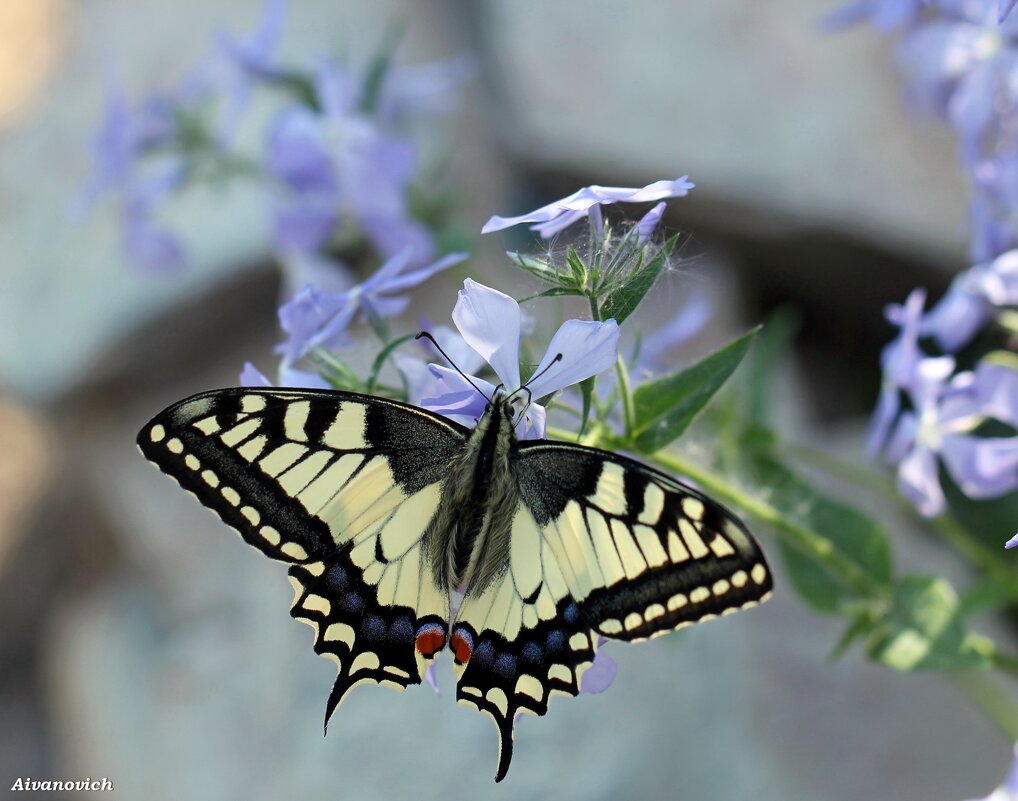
(407, 533)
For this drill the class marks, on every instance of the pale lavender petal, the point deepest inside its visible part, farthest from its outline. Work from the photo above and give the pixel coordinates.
(587, 348)
(556, 225)
(394, 283)
(1004, 9)
(600, 675)
(336, 90)
(533, 424)
(417, 378)
(289, 377)
(384, 307)
(956, 318)
(305, 223)
(490, 323)
(647, 225)
(903, 438)
(577, 205)
(998, 280)
(982, 467)
(919, 483)
(297, 152)
(429, 678)
(931, 374)
(251, 376)
(314, 318)
(1013, 543)
(888, 406)
(996, 391)
(690, 320)
(456, 349)
(150, 245)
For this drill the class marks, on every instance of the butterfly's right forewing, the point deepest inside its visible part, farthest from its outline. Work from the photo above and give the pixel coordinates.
(342, 487)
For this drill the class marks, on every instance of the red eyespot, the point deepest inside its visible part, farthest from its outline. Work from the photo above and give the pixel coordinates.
(430, 640)
(462, 645)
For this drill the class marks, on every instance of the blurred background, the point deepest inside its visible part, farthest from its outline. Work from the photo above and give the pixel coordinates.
(140, 642)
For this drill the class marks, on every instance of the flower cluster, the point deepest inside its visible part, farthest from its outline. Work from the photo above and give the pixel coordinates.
(962, 61)
(340, 164)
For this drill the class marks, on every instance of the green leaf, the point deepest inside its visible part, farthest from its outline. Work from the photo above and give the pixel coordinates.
(627, 296)
(550, 293)
(587, 392)
(335, 371)
(850, 533)
(992, 592)
(536, 267)
(772, 346)
(577, 269)
(666, 406)
(922, 630)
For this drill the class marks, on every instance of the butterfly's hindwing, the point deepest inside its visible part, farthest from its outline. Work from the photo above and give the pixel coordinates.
(342, 486)
(600, 545)
(642, 553)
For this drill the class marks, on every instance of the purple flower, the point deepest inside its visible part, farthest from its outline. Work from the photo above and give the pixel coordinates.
(1012, 543)
(600, 675)
(1005, 7)
(647, 225)
(337, 165)
(126, 165)
(898, 362)
(971, 301)
(940, 425)
(1008, 790)
(557, 216)
(252, 59)
(313, 318)
(490, 322)
(251, 376)
(690, 319)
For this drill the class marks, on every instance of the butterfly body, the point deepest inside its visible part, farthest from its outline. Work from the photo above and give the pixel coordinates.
(386, 512)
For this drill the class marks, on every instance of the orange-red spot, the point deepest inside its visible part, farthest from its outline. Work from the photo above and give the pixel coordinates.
(460, 648)
(430, 642)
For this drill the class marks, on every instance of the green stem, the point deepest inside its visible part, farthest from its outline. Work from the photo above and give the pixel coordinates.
(625, 388)
(985, 692)
(800, 537)
(1005, 662)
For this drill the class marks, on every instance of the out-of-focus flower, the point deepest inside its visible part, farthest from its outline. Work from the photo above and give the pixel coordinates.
(489, 321)
(133, 160)
(251, 376)
(1012, 543)
(320, 319)
(1004, 9)
(600, 675)
(252, 59)
(898, 362)
(549, 220)
(941, 424)
(336, 164)
(971, 301)
(1008, 790)
(694, 314)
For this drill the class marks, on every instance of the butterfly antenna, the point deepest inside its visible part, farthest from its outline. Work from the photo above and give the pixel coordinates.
(535, 376)
(426, 335)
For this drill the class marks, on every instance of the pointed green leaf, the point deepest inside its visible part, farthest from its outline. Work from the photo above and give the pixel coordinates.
(666, 406)
(577, 269)
(623, 300)
(922, 630)
(855, 537)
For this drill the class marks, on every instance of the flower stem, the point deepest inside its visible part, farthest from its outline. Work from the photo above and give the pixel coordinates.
(985, 692)
(798, 536)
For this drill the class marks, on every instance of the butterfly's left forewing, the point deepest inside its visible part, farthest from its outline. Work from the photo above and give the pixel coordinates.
(600, 545)
(340, 486)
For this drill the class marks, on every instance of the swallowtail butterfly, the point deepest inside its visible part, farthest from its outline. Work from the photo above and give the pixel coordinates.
(388, 514)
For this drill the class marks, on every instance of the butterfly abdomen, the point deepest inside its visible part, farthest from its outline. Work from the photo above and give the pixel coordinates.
(470, 534)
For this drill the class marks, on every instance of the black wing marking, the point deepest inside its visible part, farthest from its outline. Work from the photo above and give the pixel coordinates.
(341, 486)
(600, 545)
